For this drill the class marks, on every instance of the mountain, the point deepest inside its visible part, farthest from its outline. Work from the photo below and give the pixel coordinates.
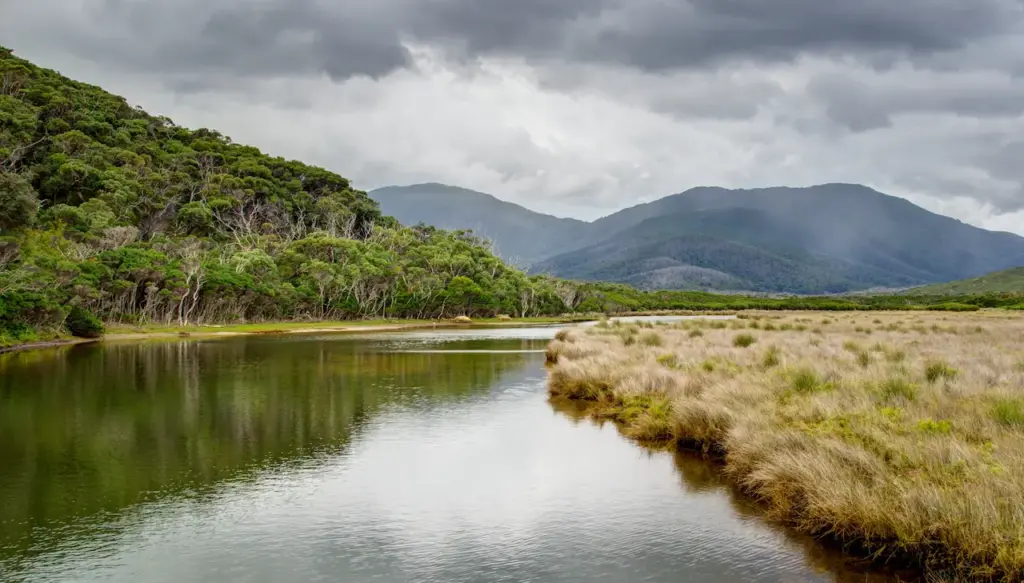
(821, 239)
(829, 238)
(518, 234)
(1010, 281)
(723, 249)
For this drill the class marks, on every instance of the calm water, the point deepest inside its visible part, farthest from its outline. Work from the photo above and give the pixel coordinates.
(422, 456)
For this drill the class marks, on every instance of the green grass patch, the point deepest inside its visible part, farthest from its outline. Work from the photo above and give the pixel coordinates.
(743, 340)
(668, 361)
(1009, 412)
(936, 370)
(898, 388)
(806, 381)
(931, 426)
(772, 358)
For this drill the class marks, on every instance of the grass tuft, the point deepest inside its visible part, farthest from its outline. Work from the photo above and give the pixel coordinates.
(772, 358)
(668, 360)
(935, 427)
(895, 356)
(651, 339)
(1009, 412)
(937, 370)
(864, 359)
(806, 381)
(898, 388)
(743, 340)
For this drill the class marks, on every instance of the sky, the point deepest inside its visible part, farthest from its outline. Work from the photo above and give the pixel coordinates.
(580, 107)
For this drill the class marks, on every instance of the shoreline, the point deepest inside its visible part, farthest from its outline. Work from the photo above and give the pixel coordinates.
(858, 433)
(286, 328)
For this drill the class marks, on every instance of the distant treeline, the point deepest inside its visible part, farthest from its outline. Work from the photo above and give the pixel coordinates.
(610, 298)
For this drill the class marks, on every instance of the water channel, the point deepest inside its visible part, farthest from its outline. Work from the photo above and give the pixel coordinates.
(421, 456)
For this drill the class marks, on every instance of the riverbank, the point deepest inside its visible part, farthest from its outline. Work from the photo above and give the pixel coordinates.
(124, 333)
(121, 332)
(899, 434)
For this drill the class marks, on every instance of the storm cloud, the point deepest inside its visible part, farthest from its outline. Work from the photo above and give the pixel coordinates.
(580, 107)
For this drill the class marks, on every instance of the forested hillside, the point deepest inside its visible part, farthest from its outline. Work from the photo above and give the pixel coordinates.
(823, 239)
(827, 238)
(110, 213)
(519, 235)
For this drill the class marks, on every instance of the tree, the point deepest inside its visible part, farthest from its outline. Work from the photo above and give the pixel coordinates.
(462, 292)
(18, 202)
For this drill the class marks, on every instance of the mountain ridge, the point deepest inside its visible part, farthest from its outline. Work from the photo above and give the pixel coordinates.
(492, 218)
(831, 238)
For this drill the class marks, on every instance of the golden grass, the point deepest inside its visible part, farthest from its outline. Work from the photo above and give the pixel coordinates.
(900, 433)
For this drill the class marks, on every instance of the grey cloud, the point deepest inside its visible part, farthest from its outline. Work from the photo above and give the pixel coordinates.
(500, 26)
(869, 104)
(209, 39)
(663, 35)
(300, 35)
(343, 38)
(719, 95)
(1009, 199)
(592, 102)
(1003, 162)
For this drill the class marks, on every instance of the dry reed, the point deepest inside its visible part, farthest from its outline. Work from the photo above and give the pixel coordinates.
(900, 433)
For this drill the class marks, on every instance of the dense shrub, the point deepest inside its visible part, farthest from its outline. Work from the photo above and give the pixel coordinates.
(83, 324)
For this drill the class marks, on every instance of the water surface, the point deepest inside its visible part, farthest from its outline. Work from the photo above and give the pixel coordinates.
(428, 456)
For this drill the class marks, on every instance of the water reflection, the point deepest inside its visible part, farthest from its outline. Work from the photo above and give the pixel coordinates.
(429, 457)
(702, 476)
(95, 429)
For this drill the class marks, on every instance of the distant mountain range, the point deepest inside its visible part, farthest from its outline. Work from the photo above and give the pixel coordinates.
(519, 235)
(830, 238)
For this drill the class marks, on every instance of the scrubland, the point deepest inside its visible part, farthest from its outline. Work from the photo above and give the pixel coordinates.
(900, 435)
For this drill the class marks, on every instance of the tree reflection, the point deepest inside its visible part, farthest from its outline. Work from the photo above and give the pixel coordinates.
(93, 429)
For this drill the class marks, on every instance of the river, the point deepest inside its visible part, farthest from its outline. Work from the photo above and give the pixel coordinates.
(422, 456)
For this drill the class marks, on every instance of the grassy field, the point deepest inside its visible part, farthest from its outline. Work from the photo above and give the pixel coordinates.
(1007, 281)
(901, 434)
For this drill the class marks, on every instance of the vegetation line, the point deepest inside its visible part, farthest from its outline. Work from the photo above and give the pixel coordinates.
(898, 434)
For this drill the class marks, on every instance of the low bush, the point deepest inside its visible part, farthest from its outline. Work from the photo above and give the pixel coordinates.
(83, 324)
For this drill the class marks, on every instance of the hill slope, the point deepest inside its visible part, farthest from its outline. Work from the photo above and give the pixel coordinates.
(1009, 281)
(110, 213)
(518, 234)
(724, 249)
(820, 239)
(832, 238)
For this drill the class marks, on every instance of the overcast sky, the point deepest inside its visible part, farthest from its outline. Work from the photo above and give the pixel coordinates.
(580, 107)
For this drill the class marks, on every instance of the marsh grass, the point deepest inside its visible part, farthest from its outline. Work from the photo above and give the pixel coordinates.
(864, 358)
(1009, 412)
(772, 358)
(743, 340)
(936, 370)
(911, 448)
(651, 339)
